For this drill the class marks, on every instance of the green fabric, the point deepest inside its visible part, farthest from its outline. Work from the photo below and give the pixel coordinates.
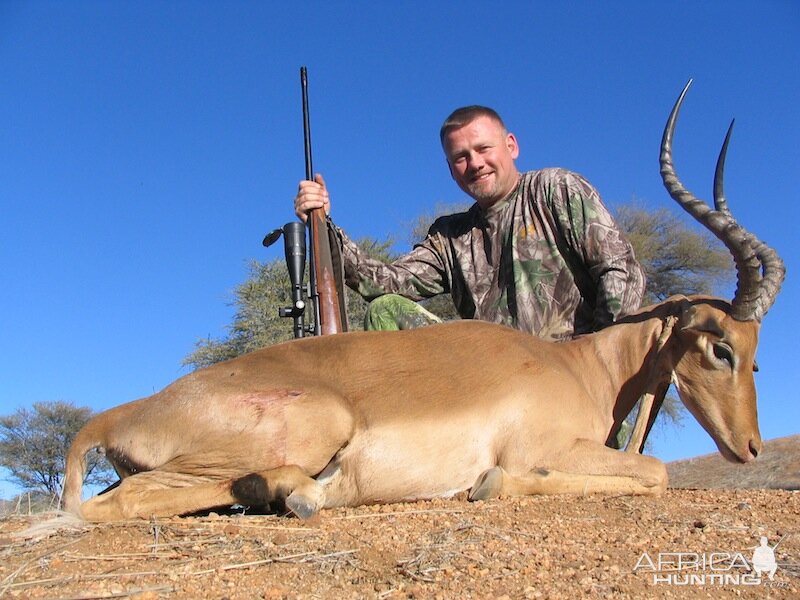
(392, 312)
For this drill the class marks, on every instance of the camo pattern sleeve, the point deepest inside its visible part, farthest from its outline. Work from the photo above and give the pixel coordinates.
(416, 275)
(548, 259)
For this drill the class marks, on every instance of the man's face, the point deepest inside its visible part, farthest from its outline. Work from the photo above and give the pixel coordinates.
(481, 158)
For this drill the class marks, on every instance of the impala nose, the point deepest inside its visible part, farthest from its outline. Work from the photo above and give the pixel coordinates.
(755, 448)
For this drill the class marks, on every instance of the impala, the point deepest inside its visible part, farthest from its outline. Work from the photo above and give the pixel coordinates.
(369, 417)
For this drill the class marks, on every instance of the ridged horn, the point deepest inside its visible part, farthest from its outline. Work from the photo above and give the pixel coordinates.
(759, 269)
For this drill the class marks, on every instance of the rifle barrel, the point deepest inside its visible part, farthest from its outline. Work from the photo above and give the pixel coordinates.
(306, 123)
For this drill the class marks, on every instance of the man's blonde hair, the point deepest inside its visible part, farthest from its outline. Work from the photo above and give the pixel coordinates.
(465, 115)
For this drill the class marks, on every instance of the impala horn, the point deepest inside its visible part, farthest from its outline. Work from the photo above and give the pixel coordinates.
(759, 269)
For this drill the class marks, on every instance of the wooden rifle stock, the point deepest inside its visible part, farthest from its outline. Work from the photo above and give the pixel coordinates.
(326, 302)
(322, 277)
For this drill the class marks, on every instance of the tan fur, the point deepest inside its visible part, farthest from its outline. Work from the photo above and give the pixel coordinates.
(389, 416)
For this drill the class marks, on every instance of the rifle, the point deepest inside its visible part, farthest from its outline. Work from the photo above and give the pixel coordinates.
(322, 287)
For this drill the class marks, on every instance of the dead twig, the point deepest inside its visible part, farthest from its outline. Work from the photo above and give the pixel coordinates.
(401, 513)
(116, 557)
(303, 556)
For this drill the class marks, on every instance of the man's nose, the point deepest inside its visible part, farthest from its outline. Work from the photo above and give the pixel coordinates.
(476, 162)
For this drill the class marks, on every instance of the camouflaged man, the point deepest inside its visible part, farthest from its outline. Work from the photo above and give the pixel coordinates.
(537, 251)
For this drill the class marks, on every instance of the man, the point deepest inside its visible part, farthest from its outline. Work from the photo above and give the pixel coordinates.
(537, 251)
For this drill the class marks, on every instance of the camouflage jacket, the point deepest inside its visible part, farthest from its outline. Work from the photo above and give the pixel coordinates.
(548, 259)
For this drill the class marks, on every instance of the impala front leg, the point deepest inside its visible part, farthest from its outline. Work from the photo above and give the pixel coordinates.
(606, 471)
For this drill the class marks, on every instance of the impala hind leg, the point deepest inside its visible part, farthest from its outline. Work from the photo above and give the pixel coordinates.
(157, 494)
(303, 495)
(165, 494)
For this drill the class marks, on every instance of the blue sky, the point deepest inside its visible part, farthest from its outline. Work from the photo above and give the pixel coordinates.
(147, 148)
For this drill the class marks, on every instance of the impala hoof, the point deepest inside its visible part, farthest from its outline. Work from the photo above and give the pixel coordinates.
(301, 506)
(488, 485)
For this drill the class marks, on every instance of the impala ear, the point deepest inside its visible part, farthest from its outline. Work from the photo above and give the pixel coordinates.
(700, 319)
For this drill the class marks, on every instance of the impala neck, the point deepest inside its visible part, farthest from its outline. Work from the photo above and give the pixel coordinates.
(629, 354)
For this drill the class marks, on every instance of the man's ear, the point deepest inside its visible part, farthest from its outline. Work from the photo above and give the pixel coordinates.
(449, 167)
(512, 145)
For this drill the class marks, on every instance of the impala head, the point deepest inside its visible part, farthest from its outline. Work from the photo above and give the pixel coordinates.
(714, 367)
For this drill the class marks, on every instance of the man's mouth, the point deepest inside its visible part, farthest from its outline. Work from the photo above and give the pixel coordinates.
(481, 177)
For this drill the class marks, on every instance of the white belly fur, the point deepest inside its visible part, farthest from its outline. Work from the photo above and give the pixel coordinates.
(387, 465)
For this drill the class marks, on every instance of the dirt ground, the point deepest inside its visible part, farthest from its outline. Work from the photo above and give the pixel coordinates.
(533, 547)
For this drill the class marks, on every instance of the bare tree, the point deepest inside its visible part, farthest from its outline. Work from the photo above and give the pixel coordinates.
(34, 445)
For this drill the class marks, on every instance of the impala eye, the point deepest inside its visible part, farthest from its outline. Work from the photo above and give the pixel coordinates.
(724, 352)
